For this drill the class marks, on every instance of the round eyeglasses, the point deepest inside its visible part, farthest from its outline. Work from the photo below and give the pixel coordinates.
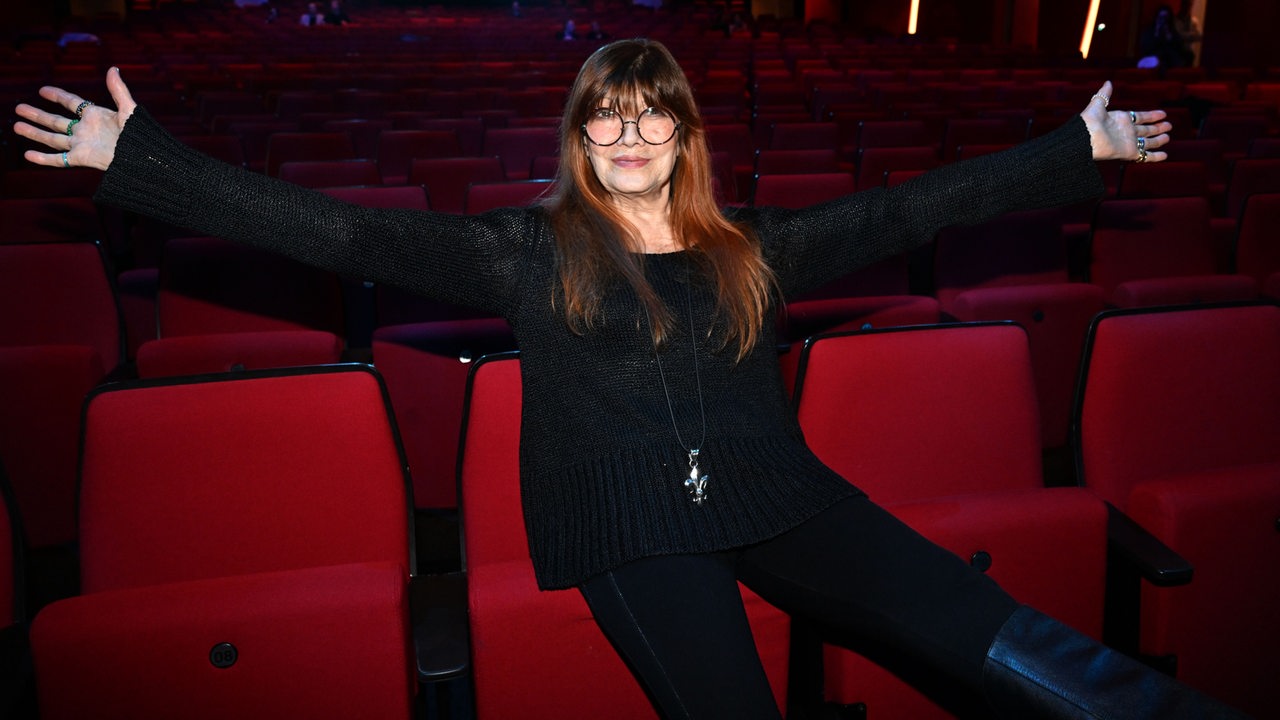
(605, 126)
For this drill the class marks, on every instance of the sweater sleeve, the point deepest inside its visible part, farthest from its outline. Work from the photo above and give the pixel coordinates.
(814, 245)
(467, 260)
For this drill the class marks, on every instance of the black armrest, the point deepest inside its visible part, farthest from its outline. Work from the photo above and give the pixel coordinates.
(1153, 560)
(441, 635)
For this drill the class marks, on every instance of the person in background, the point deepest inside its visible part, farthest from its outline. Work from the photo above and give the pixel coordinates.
(1188, 28)
(336, 15)
(661, 464)
(312, 17)
(1160, 43)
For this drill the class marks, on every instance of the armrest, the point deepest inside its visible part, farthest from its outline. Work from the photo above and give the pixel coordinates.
(441, 636)
(1155, 561)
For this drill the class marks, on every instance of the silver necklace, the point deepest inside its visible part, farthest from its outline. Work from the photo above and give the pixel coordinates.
(696, 483)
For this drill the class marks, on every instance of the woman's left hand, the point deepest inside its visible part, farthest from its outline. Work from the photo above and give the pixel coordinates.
(1125, 134)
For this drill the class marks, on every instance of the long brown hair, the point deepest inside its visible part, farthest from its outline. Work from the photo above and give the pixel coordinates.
(597, 245)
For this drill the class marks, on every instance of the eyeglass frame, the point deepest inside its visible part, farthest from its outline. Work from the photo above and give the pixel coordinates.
(621, 133)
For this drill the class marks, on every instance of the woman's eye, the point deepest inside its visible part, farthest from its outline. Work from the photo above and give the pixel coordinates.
(603, 114)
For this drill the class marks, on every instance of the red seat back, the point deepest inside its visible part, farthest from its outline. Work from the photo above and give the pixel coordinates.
(1153, 238)
(285, 146)
(277, 470)
(1177, 391)
(426, 367)
(1257, 241)
(482, 197)
(964, 391)
(64, 296)
(210, 285)
(797, 191)
(446, 179)
(398, 148)
(1025, 248)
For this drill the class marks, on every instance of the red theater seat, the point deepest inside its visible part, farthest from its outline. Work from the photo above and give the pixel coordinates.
(533, 649)
(251, 536)
(446, 179)
(426, 367)
(482, 197)
(285, 146)
(1176, 425)
(249, 308)
(869, 401)
(61, 335)
(1159, 251)
(1258, 239)
(397, 150)
(330, 173)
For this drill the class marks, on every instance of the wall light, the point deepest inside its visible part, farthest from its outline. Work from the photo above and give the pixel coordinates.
(1087, 39)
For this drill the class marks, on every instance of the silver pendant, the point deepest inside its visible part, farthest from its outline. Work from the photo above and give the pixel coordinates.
(697, 483)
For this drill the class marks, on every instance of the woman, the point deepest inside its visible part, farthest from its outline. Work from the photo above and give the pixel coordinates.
(660, 463)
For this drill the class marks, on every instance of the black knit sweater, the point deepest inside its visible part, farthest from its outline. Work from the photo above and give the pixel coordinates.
(601, 470)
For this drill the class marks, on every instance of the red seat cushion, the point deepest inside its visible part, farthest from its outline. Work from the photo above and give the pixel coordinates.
(327, 642)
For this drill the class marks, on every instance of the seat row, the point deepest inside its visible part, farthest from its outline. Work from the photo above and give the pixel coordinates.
(213, 306)
(225, 517)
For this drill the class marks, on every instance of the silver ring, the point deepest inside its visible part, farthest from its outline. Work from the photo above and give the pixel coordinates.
(1142, 143)
(71, 126)
(65, 164)
(1133, 117)
(80, 108)
(1106, 101)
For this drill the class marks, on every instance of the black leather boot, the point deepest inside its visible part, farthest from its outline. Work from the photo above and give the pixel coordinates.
(1039, 668)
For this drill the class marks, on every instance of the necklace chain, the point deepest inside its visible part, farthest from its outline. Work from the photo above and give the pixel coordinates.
(696, 482)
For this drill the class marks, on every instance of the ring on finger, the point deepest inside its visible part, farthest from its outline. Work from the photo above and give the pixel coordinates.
(1142, 155)
(80, 108)
(71, 126)
(1142, 143)
(1133, 117)
(1105, 100)
(65, 163)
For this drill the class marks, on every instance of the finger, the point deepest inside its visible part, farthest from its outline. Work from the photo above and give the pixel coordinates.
(1103, 96)
(62, 98)
(120, 94)
(1150, 117)
(1158, 156)
(57, 141)
(47, 159)
(35, 115)
(1162, 128)
(1156, 141)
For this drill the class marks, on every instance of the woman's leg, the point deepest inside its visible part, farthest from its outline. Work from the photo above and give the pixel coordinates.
(679, 623)
(874, 584)
(886, 591)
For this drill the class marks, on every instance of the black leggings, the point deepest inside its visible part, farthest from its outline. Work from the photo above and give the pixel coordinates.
(868, 581)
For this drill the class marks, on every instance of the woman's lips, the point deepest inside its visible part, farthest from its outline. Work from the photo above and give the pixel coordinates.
(630, 161)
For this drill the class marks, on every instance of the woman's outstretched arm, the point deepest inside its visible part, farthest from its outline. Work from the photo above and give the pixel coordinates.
(468, 260)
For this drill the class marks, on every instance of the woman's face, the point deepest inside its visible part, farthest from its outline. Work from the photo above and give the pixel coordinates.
(632, 169)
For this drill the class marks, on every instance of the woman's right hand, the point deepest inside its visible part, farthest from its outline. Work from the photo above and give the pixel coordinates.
(92, 140)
